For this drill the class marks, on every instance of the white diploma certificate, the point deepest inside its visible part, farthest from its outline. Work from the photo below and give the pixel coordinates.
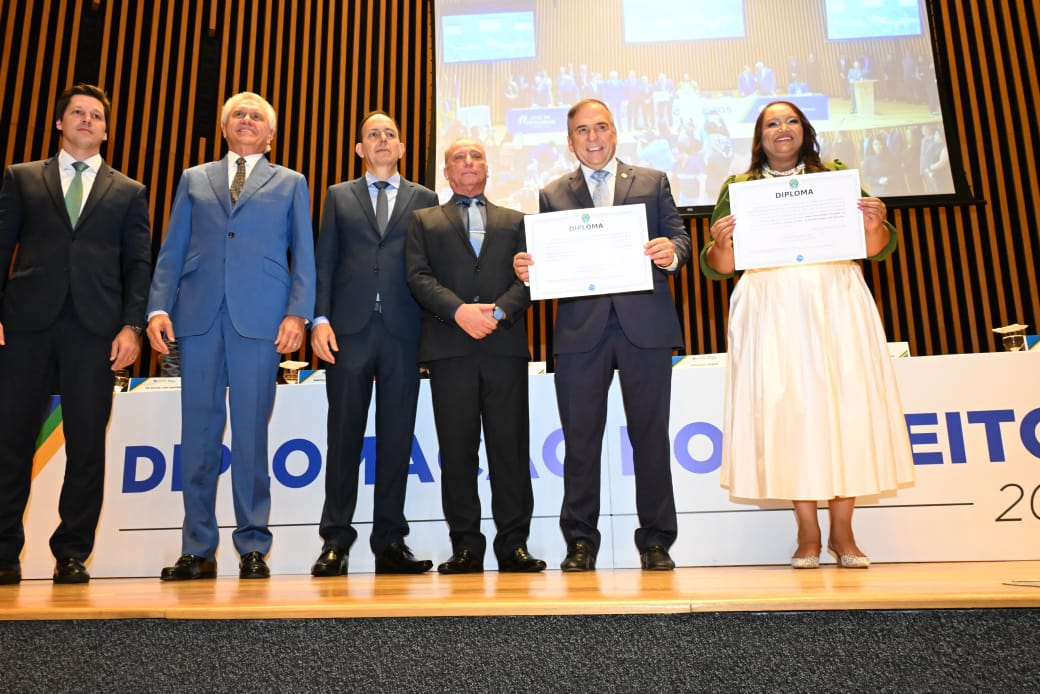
(598, 250)
(793, 220)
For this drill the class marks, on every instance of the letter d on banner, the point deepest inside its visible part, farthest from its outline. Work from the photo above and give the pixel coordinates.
(131, 458)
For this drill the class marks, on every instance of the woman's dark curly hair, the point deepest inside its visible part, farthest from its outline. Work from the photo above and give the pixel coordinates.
(808, 155)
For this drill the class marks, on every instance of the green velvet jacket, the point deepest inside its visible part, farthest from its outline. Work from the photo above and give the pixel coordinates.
(722, 209)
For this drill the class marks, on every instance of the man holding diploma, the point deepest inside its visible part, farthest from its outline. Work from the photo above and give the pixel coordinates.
(633, 332)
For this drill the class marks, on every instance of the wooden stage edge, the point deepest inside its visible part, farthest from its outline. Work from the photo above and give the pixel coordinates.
(961, 585)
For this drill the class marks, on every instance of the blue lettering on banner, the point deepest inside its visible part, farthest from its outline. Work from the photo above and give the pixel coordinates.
(280, 468)
(418, 466)
(923, 439)
(550, 452)
(682, 447)
(133, 455)
(1028, 432)
(918, 427)
(145, 467)
(136, 457)
(627, 463)
(958, 454)
(991, 420)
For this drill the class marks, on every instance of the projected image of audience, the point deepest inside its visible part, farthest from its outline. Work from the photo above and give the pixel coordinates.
(685, 81)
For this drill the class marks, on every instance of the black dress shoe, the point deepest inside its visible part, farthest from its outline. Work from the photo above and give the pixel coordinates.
(253, 566)
(655, 558)
(331, 562)
(462, 562)
(9, 575)
(519, 561)
(580, 557)
(398, 559)
(190, 567)
(70, 570)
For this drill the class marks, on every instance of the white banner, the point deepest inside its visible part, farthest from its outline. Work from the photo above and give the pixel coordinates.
(974, 422)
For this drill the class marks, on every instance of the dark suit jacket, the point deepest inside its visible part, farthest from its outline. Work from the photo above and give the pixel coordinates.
(648, 319)
(354, 263)
(444, 273)
(104, 263)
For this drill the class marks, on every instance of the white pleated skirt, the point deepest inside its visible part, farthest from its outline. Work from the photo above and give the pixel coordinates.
(812, 407)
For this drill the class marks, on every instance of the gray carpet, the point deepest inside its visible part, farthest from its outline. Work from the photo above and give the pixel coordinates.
(883, 651)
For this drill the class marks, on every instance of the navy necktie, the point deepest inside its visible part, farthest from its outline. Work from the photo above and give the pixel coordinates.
(382, 206)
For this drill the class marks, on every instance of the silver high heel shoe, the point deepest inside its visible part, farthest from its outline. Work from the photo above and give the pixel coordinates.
(811, 562)
(850, 561)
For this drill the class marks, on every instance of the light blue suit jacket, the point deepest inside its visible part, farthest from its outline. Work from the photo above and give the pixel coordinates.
(214, 252)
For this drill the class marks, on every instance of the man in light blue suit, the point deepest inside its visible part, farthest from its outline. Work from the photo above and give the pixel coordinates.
(227, 292)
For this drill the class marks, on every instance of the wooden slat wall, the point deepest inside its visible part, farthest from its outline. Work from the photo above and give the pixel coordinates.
(168, 66)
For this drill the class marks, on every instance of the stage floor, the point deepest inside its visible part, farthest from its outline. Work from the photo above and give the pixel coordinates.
(622, 591)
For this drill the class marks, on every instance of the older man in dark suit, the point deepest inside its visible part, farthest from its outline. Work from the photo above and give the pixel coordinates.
(226, 292)
(367, 327)
(633, 333)
(71, 312)
(474, 343)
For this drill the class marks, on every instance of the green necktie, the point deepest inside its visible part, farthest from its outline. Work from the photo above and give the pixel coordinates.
(74, 195)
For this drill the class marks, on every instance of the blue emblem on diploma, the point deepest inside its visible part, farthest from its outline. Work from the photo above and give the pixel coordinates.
(592, 287)
(585, 218)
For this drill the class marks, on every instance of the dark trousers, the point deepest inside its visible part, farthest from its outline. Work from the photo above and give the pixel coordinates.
(370, 354)
(582, 382)
(468, 391)
(68, 359)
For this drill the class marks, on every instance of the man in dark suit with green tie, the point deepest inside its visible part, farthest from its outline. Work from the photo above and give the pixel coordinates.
(71, 312)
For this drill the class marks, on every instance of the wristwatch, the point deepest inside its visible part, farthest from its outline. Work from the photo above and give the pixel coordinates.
(136, 328)
(498, 313)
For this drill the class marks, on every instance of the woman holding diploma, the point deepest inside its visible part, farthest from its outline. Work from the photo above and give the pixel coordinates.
(812, 409)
